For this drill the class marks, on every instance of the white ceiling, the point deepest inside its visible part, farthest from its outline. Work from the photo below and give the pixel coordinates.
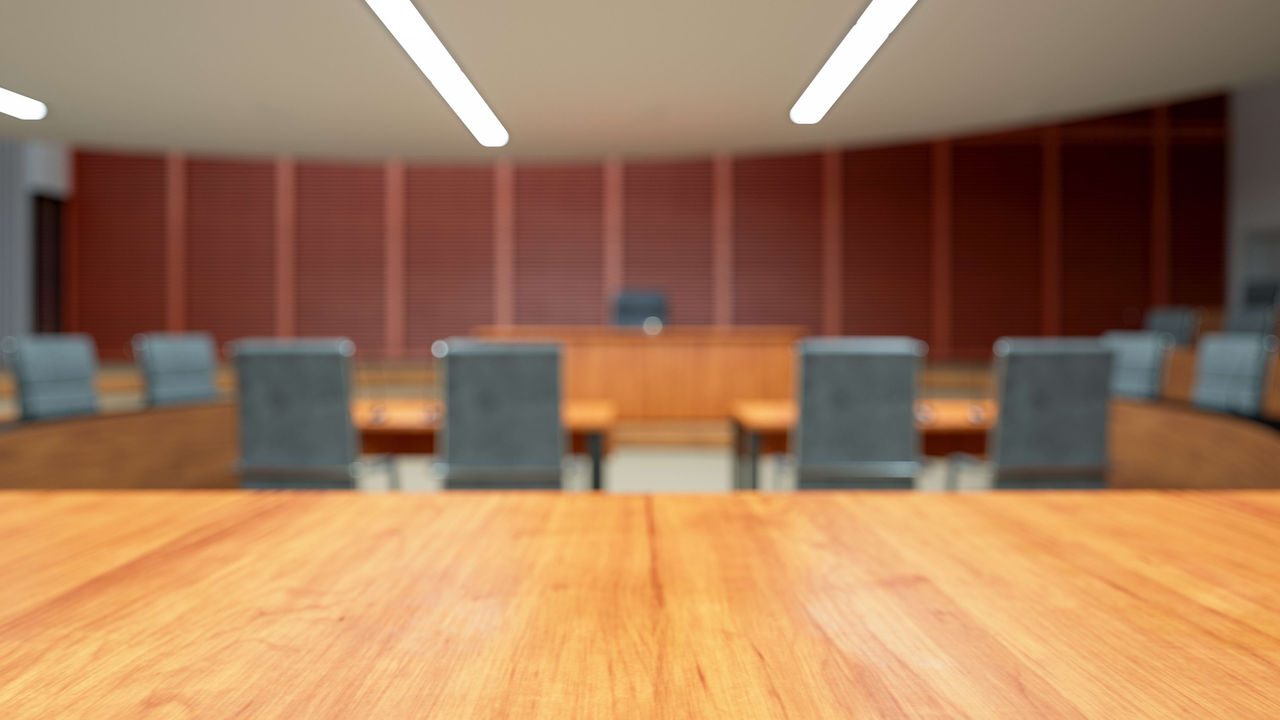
(586, 78)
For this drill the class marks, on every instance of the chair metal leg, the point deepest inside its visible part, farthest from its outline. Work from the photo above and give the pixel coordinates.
(738, 448)
(595, 446)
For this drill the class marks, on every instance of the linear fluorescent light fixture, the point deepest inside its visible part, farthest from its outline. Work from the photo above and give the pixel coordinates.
(429, 54)
(21, 106)
(852, 54)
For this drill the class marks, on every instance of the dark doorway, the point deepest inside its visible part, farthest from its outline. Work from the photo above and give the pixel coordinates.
(48, 260)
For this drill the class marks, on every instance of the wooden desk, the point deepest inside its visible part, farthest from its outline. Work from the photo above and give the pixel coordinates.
(1153, 445)
(946, 425)
(684, 372)
(409, 426)
(178, 448)
(523, 605)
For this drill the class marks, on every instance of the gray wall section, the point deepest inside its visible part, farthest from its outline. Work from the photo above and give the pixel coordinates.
(27, 168)
(1253, 226)
(15, 273)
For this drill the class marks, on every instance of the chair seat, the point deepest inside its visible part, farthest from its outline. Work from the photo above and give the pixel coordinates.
(298, 477)
(1055, 478)
(498, 478)
(826, 482)
(857, 476)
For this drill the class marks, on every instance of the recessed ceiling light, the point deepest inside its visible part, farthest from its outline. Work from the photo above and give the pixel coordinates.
(21, 106)
(852, 54)
(429, 54)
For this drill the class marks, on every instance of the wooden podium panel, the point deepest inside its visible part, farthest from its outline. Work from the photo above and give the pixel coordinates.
(680, 373)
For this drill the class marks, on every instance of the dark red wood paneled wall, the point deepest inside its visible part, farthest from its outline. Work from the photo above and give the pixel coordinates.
(1106, 236)
(339, 249)
(887, 252)
(449, 253)
(119, 255)
(559, 249)
(777, 241)
(667, 236)
(1073, 229)
(230, 248)
(995, 253)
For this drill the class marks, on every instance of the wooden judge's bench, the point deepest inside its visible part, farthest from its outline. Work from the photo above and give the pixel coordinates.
(682, 372)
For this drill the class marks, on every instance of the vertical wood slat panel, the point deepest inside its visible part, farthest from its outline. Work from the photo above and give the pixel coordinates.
(286, 230)
(832, 241)
(1160, 220)
(449, 252)
(340, 247)
(996, 245)
(393, 274)
(1197, 232)
(614, 201)
(722, 238)
(888, 242)
(175, 216)
(504, 271)
(942, 296)
(559, 248)
(668, 242)
(777, 247)
(1198, 202)
(121, 247)
(230, 253)
(1051, 231)
(1106, 231)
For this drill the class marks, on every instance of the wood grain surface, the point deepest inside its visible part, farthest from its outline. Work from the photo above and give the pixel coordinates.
(542, 605)
(178, 447)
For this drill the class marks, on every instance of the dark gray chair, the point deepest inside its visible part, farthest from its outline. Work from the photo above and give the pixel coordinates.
(1138, 362)
(502, 427)
(1262, 293)
(178, 368)
(1052, 427)
(857, 412)
(295, 414)
(1259, 319)
(1179, 321)
(633, 307)
(1231, 372)
(55, 374)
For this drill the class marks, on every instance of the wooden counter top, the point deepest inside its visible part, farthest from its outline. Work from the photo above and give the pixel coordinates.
(813, 605)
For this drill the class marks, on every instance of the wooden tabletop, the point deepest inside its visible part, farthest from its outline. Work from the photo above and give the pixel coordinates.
(398, 415)
(813, 605)
(944, 415)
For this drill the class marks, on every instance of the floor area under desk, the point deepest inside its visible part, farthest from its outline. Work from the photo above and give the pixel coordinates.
(664, 469)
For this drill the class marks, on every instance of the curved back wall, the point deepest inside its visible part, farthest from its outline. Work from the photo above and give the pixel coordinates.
(1066, 229)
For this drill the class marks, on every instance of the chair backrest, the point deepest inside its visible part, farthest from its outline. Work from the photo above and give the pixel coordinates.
(1138, 362)
(1263, 293)
(1258, 319)
(55, 374)
(1052, 425)
(295, 412)
(1231, 372)
(502, 414)
(1177, 320)
(633, 307)
(857, 412)
(178, 367)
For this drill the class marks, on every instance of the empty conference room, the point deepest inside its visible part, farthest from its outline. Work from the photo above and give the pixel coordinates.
(377, 359)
